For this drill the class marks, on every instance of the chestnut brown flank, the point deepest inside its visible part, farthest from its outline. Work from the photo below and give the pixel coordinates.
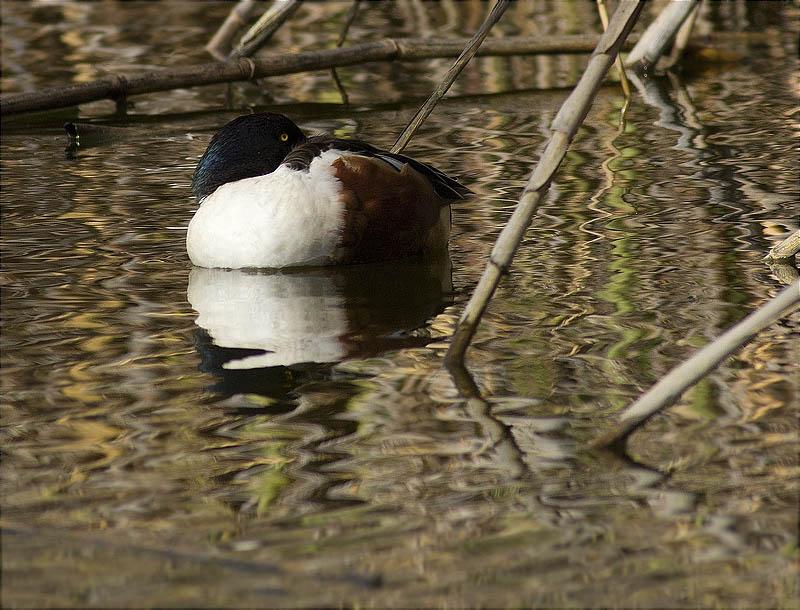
(388, 214)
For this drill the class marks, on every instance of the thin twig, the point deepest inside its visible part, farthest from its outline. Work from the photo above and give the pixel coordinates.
(659, 34)
(348, 21)
(670, 387)
(623, 78)
(405, 49)
(469, 51)
(235, 20)
(264, 28)
(340, 87)
(564, 127)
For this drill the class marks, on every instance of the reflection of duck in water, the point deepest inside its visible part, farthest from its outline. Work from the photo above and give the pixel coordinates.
(323, 315)
(271, 197)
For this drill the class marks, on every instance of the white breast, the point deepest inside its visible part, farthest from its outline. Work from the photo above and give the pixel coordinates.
(286, 218)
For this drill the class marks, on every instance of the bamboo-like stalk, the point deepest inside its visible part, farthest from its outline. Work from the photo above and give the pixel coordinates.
(659, 34)
(468, 53)
(682, 38)
(405, 49)
(236, 19)
(670, 387)
(564, 127)
(265, 27)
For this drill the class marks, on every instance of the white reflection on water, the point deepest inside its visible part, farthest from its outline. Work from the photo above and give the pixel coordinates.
(293, 318)
(317, 315)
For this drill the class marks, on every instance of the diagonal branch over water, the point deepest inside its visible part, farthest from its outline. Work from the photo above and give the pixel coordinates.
(469, 51)
(672, 385)
(565, 125)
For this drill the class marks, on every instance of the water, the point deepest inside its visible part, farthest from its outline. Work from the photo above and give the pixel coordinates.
(155, 454)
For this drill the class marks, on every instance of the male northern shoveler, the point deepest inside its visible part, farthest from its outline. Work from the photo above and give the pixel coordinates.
(272, 197)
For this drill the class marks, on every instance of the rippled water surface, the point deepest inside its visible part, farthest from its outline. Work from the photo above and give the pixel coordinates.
(187, 437)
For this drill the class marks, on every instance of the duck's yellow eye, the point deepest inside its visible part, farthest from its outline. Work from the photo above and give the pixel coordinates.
(284, 137)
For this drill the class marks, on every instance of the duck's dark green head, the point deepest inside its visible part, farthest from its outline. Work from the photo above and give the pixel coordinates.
(250, 145)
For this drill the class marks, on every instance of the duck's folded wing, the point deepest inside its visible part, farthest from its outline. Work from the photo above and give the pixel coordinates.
(301, 156)
(388, 213)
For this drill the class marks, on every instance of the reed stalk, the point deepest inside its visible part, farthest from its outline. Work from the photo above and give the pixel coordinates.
(243, 69)
(623, 78)
(670, 387)
(264, 28)
(786, 248)
(563, 129)
(236, 19)
(682, 38)
(659, 34)
(468, 53)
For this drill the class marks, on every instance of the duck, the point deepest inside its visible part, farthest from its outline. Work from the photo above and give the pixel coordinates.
(272, 197)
